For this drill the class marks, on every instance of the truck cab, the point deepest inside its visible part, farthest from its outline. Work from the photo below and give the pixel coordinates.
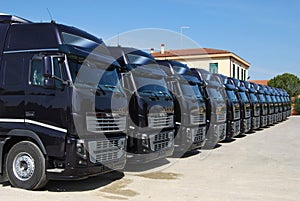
(284, 103)
(56, 115)
(233, 108)
(255, 105)
(280, 104)
(263, 104)
(151, 128)
(216, 106)
(271, 111)
(190, 107)
(275, 103)
(245, 105)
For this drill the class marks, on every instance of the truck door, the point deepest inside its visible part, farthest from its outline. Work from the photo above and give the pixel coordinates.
(46, 109)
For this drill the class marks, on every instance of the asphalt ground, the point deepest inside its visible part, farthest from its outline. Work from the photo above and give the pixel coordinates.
(264, 166)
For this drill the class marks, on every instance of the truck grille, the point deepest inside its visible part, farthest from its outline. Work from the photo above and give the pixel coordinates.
(236, 128)
(160, 120)
(248, 113)
(256, 110)
(265, 111)
(161, 141)
(221, 117)
(106, 150)
(237, 113)
(197, 119)
(105, 122)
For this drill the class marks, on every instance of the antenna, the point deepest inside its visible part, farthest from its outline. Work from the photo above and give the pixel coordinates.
(118, 39)
(50, 15)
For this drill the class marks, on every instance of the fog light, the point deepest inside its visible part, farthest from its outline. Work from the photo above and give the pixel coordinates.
(145, 140)
(81, 149)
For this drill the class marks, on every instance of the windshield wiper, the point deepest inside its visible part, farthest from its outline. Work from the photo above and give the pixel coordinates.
(109, 86)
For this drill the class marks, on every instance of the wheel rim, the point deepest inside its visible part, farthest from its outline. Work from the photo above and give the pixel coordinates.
(23, 166)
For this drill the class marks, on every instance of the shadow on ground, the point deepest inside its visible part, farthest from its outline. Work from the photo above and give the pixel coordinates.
(141, 167)
(83, 185)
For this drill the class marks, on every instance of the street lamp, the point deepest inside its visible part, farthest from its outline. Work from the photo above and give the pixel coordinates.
(181, 34)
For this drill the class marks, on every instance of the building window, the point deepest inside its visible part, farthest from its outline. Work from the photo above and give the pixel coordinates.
(238, 72)
(242, 73)
(213, 68)
(245, 74)
(233, 71)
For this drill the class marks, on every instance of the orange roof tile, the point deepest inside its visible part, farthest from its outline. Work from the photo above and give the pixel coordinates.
(189, 52)
(263, 82)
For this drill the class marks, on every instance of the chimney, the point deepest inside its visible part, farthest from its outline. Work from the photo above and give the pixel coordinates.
(162, 49)
(151, 50)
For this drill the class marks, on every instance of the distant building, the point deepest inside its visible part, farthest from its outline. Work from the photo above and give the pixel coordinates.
(213, 60)
(263, 82)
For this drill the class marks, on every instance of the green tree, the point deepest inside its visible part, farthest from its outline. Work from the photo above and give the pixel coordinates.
(288, 82)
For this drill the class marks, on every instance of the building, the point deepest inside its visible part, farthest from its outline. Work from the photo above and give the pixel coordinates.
(213, 60)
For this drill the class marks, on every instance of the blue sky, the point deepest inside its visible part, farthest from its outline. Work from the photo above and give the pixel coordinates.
(265, 33)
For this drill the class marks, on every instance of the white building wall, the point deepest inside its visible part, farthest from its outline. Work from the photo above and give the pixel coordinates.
(223, 64)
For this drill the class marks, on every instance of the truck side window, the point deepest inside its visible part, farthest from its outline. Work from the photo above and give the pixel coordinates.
(13, 71)
(36, 77)
(59, 71)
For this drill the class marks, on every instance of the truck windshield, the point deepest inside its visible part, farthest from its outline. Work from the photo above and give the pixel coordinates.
(231, 95)
(190, 90)
(215, 94)
(262, 98)
(135, 58)
(94, 75)
(243, 97)
(151, 85)
(269, 99)
(78, 41)
(253, 98)
(180, 69)
(274, 99)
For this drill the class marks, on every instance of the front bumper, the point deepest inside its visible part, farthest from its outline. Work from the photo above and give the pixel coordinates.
(216, 133)
(146, 146)
(83, 161)
(246, 125)
(190, 138)
(234, 129)
(255, 123)
(263, 121)
(270, 119)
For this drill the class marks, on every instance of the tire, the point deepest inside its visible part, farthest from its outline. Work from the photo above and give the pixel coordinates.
(25, 166)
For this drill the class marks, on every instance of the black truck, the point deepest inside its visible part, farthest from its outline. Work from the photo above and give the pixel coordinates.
(245, 105)
(271, 110)
(263, 104)
(233, 108)
(190, 107)
(280, 104)
(255, 105)
(55, 123)
(214, 93)
(151, 127)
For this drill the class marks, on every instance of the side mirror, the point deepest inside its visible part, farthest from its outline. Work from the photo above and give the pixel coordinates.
(127, 82)
(49, 83)
(47, 64)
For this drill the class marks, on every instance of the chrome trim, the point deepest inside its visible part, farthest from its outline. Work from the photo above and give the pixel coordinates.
(30, 50)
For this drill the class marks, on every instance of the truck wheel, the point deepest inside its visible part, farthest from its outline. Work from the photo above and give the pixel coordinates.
(25, 166)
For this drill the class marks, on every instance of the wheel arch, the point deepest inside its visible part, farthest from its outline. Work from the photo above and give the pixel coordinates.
(15, 136)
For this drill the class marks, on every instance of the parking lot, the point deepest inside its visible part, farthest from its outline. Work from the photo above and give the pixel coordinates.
(260, 166)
